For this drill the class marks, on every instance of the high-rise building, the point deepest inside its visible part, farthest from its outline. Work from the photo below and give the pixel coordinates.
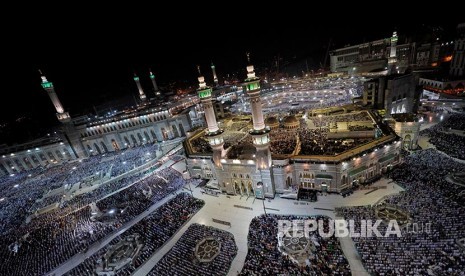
(392, 60)
(457, 67)
(394, 94)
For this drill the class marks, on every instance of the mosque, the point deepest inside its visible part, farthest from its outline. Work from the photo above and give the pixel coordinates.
(86, 135)
(255, 154)
(240, 161)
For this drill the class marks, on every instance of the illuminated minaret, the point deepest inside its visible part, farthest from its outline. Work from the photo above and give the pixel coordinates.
(392, 61)
(154, 82)
(215, 78)
(48, 86)
(139, 87)
(70, 134)
(260, 133)
(213, 133)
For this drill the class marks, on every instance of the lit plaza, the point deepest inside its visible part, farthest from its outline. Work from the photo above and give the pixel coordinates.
(199, 182)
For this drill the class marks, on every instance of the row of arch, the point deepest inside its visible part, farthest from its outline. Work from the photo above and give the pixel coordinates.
(122, 125)
(439, 85)
(245, 189)
(307, 179)
(135, 139)
(399, 97)
(36, 159)
(398, 109)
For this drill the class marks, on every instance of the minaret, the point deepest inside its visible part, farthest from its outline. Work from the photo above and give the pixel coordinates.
(213, 133)
(392, 61)
(70, 134)
(259, 132)
(139, 87)
(215, 78)
(48, 86)
(154, 82)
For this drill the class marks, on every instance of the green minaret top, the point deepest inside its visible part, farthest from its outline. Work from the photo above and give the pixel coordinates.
(45, 82)
(204, 91)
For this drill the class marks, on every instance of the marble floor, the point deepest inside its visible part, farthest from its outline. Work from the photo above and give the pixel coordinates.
(222, 208)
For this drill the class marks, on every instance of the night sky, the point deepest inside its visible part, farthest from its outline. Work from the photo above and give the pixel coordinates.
(94, 64)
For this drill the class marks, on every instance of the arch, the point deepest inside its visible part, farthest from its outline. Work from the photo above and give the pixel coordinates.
(288, 182)
(140, 138)
(237, 190)
(175, 131)
(104, 147)
(89, 148)
(114, 144)
(66, 153)
(164, 133)
(250, 188)
(147, 136)
(97, 148)
(19, 165)
(154, 136)
(34, 160)
(126, 140)
(59, 154)
(403, 109)
(134, 141)
(50, 155)
(344, 179)
(28, 163)
(181, 129)
(324, 187)
(42, 156)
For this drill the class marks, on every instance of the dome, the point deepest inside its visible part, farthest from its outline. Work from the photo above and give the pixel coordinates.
(291, 122)
(272, 122)
(290, 119)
